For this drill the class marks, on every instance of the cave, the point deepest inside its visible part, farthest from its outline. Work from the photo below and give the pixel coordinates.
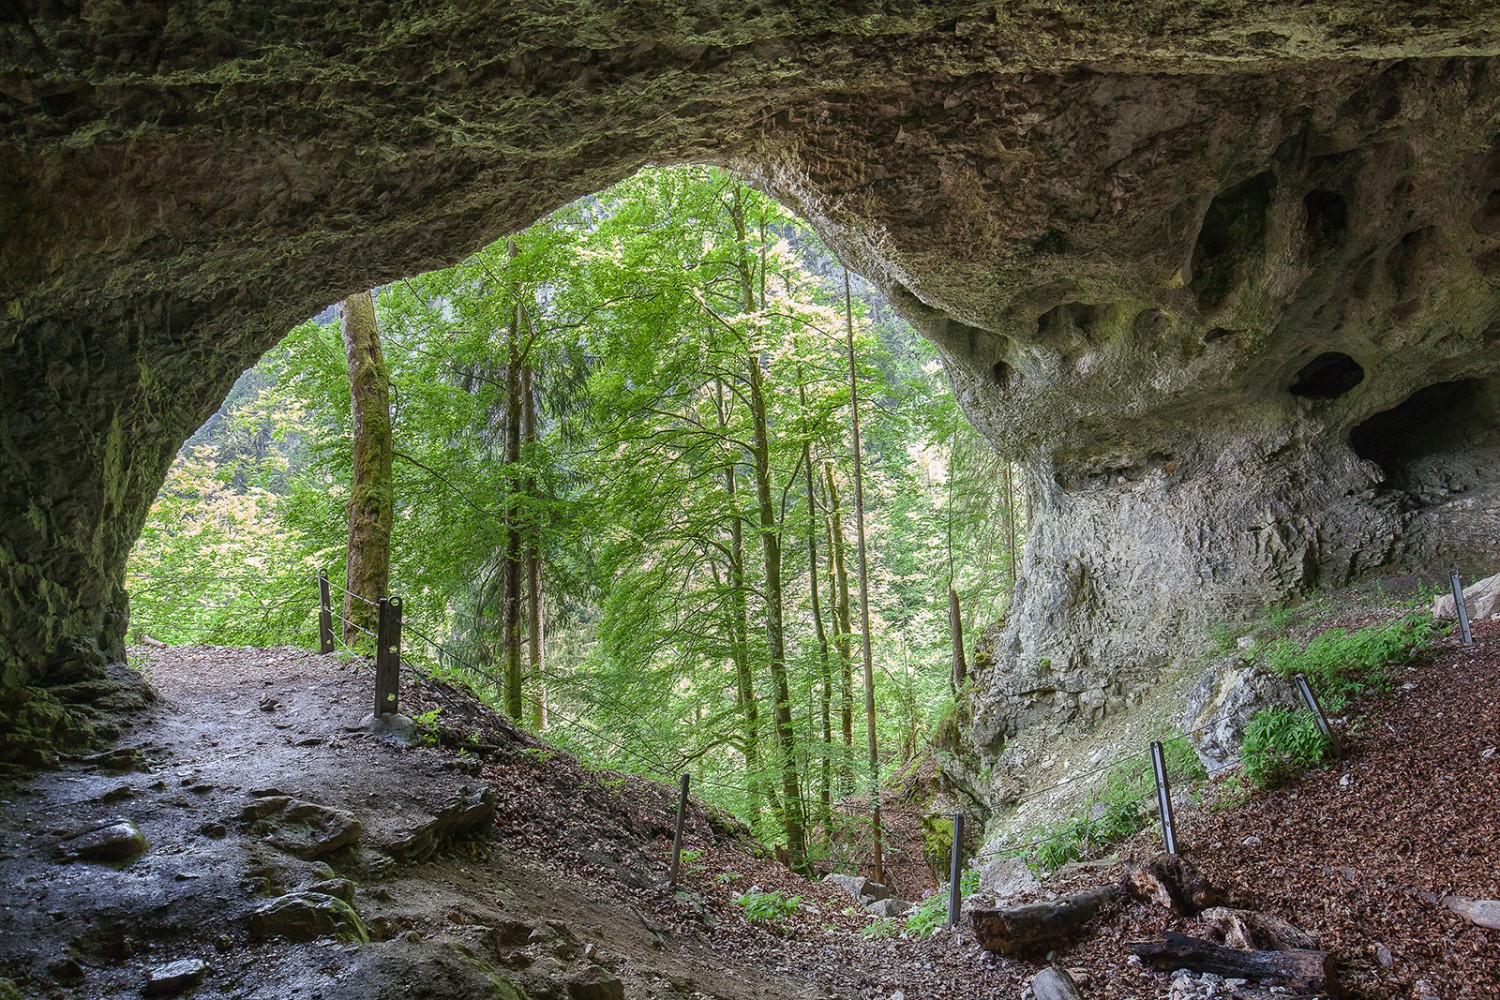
(171, 210)
(1327, 376)
(1440, 440)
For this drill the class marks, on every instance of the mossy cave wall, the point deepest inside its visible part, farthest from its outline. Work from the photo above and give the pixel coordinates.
(1223, 277)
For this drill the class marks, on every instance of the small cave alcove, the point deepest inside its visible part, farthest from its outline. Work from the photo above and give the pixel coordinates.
(1441, 439)
(1327, 376)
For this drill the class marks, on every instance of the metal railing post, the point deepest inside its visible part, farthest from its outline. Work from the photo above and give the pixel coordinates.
(1305, 691)
(325, 613)
(1164, 797)
(955, 869)
(1459, 607)
(682, 797)
(388, 656)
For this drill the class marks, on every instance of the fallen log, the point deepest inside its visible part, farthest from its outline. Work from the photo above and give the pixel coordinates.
(1173, 882)
(1038, 927)
(1054, 984)
(1301, 969)
(1254, 931)
(1479, 912)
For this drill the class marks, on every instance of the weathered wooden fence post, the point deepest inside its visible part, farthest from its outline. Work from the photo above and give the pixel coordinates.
(1164, 797)
(388, 656)
(325, 613)
(682, 797)
(955, 869)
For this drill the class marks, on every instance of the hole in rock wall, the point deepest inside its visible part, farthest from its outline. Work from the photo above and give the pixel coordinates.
(1002, 374)
(1327, 220)
(1231, 241)
(1439, 441)
(1327, 376)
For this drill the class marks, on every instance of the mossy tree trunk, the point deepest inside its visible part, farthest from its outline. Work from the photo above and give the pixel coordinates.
(371, 495)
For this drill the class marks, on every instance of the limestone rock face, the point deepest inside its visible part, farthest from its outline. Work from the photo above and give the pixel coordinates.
(1224, 279)
(1221, 703)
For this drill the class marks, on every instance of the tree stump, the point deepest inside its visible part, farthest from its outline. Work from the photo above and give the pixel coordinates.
(1301, 969)
(1055, 984)
(1038, 927)
(1170, 881)
(1253, 931)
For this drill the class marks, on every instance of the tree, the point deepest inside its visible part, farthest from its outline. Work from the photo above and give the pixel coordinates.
(371, 504)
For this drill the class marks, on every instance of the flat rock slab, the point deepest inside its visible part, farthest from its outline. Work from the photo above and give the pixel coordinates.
(1480, 912)
(115, 840)
(306, 829)
(175, 977)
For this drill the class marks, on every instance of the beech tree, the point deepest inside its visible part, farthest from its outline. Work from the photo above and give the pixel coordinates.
(367, 562)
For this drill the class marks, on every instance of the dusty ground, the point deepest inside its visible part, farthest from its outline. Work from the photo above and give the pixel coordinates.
(564, 893)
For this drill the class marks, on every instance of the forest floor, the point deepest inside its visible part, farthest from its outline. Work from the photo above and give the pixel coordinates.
(565, 893)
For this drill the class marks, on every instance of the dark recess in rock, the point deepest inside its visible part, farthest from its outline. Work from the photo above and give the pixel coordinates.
(1231, 240)
(1327, 376)
(1002, 374)
(1447, 417)
(1327, 220)
(1218, 333)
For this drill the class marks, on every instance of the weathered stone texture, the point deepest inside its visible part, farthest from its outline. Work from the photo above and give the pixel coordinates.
(1180, 258)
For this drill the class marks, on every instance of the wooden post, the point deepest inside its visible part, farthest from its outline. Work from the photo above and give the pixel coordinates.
(388, 656)
(955, 869)
(682, 797)
(1163, 797)
(1461, 609)
(325, 613)
(1309, 699)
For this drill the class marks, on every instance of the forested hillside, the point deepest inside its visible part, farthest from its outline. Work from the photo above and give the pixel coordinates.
(624, 498)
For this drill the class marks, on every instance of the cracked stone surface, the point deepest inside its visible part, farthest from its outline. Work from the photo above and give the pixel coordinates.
(1224, 278)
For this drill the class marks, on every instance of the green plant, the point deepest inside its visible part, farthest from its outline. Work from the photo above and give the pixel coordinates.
(1279, 745)
(929, 916)
(724, 878)
(1344, 665)
(427, 725)
(140, 661)
(880, 927)
(768, 907)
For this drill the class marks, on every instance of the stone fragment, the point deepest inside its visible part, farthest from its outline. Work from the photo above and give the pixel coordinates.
(306, 829)
(338, 888)
(1221, 703)
(1479, 912)
(1481, 600)
(306, 916)
(854, 885)
(595, 983)
(115, 840)
(889, 908)
(467, 811)
(173, 978)
(1006, 878)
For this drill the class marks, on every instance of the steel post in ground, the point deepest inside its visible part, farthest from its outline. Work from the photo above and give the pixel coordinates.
(325, 613)
(1164, 797)
(682, 797)
(1459, 607)
(1305, 692)
(955, 868)
(388, 656)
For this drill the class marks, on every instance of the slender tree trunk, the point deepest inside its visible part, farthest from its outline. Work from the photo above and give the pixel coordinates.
(1010, 524)
(740, 633)
(825, 668)
(514, 531)
(864, 590)
(843, 624)
(371, 494)
(535, 621)
(956, 634)
(770, 538)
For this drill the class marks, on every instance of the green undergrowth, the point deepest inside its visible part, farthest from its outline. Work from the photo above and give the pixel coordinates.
(1340, 666)
(1117, 811)
(768, 907)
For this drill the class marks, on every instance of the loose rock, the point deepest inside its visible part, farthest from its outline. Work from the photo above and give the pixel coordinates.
(174, 978)
(116, 840)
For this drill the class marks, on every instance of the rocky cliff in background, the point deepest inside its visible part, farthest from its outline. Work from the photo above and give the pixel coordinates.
(1223, 277)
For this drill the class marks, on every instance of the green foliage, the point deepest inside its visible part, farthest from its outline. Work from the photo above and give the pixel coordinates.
(880, 928)
(1344, 665)
(768, 907)
(1279, 745)
(427, 725)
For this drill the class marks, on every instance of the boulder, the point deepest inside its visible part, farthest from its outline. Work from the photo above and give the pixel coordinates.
(854, 885)
(1481, 600)
(114, 840)
(889, 908)
(595, 983)
(465, 812)
(1004, 878)
(173, 978)
(1222, 702)
(306, 916)
(306, 829)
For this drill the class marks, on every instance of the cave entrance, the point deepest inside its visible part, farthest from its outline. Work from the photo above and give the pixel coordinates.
(1327, 376)
(1441, 439)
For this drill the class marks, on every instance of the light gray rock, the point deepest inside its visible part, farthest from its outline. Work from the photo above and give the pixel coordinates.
(1481, 600)
(889, 908)
(175, 977)
(1222, 702)
(306, 829)
(1005, 878)
(854, 885)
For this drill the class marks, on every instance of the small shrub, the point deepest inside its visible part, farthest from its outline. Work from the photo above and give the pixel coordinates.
(881, 927)
(1279, 745)
(427, 727)
(1344, 665)
(768, 907)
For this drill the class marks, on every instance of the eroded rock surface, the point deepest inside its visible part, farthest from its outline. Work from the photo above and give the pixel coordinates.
(1223, 278)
